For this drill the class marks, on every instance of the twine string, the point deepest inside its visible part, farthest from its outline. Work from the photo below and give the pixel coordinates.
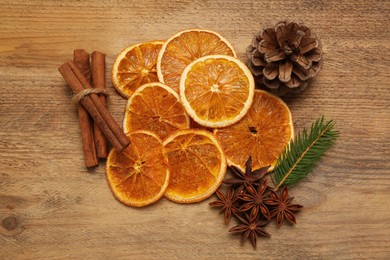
(88, 91)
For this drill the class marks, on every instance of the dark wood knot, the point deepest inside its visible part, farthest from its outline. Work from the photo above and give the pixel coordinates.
(10, 223)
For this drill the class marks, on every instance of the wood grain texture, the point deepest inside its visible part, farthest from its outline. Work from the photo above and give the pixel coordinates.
(52, 208)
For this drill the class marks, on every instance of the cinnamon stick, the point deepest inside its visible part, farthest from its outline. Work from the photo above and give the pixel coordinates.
(113, 125)
(81, 59)
(99, 81)
(95, 108)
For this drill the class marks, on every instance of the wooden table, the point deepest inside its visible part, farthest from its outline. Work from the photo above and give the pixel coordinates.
(51, 207)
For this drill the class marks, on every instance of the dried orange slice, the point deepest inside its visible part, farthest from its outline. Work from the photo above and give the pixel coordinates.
(195, 125)
(138, 175)
(263, 133)
(157, 108)
(183, 48)
(217, 90)
(135, 66)
(197, 165)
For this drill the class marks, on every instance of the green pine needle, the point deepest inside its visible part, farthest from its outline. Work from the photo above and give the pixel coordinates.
(300, 157)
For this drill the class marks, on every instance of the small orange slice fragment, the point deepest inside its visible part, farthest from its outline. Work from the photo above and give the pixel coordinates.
(155, 107)
(216, 90)
(183, 48)
(138, 175)
(263, 133)
(197, 165)
(135, 66)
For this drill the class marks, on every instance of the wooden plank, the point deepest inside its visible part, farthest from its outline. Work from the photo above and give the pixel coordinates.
(52, 208)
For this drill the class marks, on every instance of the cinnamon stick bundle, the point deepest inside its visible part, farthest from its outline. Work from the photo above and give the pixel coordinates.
(99, 82)
(94, 106)
(81, 59)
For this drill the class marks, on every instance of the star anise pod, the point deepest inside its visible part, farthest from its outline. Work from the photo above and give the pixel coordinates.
(253, 200)
(249, 177)
(227, 203)
(250, 229)
(283, 209)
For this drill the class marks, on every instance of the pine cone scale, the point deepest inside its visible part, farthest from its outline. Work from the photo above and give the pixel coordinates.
(315, 69)
(285, 70)
(259, 62)
(272, 84)
(273, 56)
(293, 83)
(301, 61)
(266, 46)
(281, 34)
(307, 45)
(293, 28)
(255, 42)
(314, 55)
(298, 38)
(268, 35)
(257, 71)
(301, 73)
(271, 71)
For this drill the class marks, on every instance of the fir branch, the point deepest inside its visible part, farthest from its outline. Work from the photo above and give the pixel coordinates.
(304, 151)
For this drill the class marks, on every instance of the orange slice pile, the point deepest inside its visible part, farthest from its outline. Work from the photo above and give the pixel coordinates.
(216, 90)
(183, 48)
(197, 165)
(138, 175)
(263, 133)
(203, 114)
(156, 108)
(134, 66)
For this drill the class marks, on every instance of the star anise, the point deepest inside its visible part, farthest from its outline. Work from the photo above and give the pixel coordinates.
(253, 200)
(250, 229)
(283, 209)
(249, 177)
(227, 202)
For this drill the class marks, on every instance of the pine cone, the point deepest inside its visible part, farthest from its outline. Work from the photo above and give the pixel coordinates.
(285, 57)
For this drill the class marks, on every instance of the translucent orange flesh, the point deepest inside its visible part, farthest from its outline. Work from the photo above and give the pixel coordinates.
(216, 89)
(156, 110)
(138, 173)
(263, 133)
(138, 67)
(186, 48)
(194, 162)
